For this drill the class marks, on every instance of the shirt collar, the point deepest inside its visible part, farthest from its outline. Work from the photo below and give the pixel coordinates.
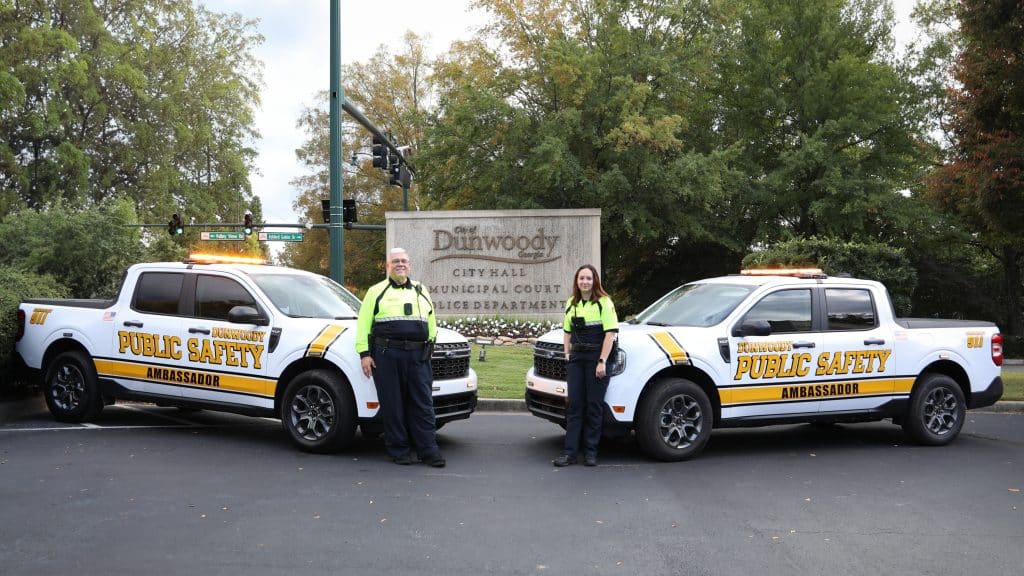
(408, 283)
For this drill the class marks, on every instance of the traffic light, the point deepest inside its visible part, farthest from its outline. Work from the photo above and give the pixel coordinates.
(325, 208)
(380, 153)
(395, 172)
(348, 210)
(175, 226)
(247, 227)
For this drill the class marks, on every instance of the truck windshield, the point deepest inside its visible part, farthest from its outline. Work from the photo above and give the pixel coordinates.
(301, 296)
(695, 305)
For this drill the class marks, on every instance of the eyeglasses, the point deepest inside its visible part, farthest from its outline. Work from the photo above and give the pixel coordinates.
(400, 261)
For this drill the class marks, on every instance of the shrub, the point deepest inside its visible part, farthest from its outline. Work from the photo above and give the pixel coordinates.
(16, 286)
(473, 327)
(870, 261)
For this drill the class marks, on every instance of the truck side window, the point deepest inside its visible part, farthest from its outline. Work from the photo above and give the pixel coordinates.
(849, 309)
(785, 311)
(157, 292)
(216, 295)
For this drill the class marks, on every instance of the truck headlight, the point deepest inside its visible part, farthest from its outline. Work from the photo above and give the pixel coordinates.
(618, 364)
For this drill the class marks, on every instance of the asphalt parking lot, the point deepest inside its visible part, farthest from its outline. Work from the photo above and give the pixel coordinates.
(148, 488)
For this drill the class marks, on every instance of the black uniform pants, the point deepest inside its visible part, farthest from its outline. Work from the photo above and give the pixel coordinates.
(404, 383)
(586, 403)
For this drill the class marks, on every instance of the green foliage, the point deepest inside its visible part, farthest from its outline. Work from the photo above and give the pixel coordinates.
(982, 182)
(16, 286)
(151, 101)
(86, 250)
(877, 262)
(700, 129)
(1013, 346)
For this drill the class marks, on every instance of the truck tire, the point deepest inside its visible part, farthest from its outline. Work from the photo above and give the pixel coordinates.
(71, 389)
(674, 420)
(318, 412)
(937, 411)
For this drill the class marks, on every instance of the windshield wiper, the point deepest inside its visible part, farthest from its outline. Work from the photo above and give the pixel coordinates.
(659, 324)
(346, 318)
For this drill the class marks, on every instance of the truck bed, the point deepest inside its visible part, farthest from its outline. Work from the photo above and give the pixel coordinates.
(96, 303)
(942, 323)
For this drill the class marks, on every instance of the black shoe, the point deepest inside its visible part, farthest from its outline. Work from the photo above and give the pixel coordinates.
(590, 459)
(564, 460)
(435, 460)
(403, 460)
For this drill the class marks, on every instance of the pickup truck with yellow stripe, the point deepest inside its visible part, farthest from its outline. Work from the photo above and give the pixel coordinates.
(229, 336)
(775, 347)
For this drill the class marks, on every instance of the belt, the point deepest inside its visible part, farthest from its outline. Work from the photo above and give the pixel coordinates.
(399, 344)
(581, 347)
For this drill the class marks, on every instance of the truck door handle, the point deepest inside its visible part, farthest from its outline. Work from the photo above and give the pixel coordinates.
(199, 331)
(874, 341)
(803, 344)
(132, 324)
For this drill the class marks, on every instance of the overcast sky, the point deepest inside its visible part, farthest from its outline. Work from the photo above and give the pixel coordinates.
(296, 57)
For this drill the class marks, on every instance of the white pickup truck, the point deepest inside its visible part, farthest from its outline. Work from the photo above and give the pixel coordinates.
(775, 347)
(244, 338)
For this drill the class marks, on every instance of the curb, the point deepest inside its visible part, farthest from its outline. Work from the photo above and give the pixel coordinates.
(500, 405)
(1006, 406)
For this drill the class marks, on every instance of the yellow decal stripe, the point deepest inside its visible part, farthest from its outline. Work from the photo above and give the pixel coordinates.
(671, 348)
(822, 390)
(186, 377)
(318, 347)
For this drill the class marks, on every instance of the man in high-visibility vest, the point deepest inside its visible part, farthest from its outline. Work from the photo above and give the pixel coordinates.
(394, 338)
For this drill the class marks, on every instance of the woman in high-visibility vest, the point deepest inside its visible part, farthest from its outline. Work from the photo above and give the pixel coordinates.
(590, 329)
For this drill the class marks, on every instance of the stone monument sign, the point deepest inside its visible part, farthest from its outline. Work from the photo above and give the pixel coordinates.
(509, 263)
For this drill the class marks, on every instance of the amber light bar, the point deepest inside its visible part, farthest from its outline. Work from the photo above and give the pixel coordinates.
(200, 258)
(805, 272)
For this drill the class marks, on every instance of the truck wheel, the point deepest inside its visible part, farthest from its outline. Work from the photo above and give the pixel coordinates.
(318, 412)
(937, 411)
(71, 389)
(674, 420)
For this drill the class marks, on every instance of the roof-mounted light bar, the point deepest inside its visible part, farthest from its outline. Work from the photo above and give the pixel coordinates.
(200, 258)
(792, 272)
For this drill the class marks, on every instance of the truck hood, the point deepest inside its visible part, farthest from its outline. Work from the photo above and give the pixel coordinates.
(629, 333)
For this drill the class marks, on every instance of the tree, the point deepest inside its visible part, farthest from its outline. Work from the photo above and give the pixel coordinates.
(872, 261)
(87, 251)
(148, 101)
(982, 181)
(700, 128)
(392, 90)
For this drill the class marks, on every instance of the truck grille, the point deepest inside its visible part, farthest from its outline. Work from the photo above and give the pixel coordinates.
(450, 361)
(551, 408)
(549, 361)
(454, 406)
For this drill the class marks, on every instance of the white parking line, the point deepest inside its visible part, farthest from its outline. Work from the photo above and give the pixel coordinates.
(95, 427)
(158, 414)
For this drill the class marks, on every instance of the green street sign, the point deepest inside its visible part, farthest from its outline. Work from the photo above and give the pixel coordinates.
(222, 236)
(281, 236)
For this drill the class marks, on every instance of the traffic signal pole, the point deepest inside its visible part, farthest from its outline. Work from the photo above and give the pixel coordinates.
(337, 230)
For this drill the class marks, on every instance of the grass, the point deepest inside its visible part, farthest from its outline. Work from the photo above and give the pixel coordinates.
(503, 374)
(1013, 385)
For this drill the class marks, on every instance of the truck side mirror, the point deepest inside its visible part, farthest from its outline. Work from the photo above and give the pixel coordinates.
(753, 328)
(247, 315)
